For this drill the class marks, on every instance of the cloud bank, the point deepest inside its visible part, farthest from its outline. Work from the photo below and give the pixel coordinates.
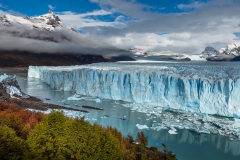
(196, 25)
(46, 34)
(199, 24)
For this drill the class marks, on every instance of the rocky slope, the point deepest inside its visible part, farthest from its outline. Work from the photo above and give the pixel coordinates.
(25, 59)
(231, 52)
(10, 92)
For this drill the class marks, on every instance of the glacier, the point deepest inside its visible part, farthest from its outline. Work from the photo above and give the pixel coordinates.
(208, 88)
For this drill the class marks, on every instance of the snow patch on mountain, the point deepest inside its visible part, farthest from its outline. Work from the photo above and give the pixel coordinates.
(224, 54)
(47, 33)
(163, 55)
(208, 52)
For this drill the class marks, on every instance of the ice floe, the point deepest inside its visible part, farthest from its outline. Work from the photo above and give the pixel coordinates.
(197, 123)
(139, 126)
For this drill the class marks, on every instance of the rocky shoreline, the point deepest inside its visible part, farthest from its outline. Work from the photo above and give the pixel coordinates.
(10, 92)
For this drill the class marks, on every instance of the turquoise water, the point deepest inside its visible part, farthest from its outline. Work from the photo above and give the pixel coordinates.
(186, 145)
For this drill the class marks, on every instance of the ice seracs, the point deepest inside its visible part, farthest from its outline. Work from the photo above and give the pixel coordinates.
(210, 89)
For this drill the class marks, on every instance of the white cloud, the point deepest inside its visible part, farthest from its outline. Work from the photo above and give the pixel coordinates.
(184, 43)
(96, 13)
(120, 18)
(63, 40)
(79, 21)
(193, 5)
(209, 23)
(51, 7)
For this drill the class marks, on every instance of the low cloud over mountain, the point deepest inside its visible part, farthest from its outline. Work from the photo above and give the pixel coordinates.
(47, 33)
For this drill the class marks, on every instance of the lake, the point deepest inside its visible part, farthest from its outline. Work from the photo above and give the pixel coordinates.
(186, 144)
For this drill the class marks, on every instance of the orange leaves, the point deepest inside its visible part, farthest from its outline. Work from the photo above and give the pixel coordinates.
(19, 119)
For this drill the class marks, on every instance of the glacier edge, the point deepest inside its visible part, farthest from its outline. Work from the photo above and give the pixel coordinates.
(167, 85)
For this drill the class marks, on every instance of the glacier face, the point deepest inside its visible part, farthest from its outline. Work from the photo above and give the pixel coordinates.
(210, 89)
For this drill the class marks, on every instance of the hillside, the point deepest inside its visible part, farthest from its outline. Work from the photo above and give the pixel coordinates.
(24, 59)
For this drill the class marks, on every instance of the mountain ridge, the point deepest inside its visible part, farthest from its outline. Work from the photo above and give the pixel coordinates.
(230, 52)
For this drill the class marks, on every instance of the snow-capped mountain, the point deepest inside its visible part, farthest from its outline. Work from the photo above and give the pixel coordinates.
(209, 51)
(47, 27)
(224, 54)
(232, 49)
(163, 55)
(48, 34)
(47, 21)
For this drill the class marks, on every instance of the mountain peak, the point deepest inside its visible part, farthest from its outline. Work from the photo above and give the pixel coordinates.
(228, 53)
(209, 51)
(231, 46)
(50, 12)
(38, 27)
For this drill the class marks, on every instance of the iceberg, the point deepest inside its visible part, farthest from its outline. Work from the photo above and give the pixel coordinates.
(208, 88)
(172, 132)
(139, 126)
(73, 98)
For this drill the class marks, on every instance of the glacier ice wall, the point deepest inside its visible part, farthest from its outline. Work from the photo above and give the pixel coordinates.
(211, 89)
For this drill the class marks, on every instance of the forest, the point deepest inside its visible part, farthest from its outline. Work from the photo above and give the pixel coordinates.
(29, 135)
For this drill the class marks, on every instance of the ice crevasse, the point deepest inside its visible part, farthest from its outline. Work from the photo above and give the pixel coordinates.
(210, 89)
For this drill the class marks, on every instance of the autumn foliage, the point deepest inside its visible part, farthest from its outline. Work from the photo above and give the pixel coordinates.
(32, 135)
(19, 119)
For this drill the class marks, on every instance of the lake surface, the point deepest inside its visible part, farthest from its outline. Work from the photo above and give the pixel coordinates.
(186, 145)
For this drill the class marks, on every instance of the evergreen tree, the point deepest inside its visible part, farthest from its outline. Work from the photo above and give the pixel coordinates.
(48, 139)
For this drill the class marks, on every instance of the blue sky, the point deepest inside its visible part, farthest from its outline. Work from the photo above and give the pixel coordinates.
(181, 26)
(31, 8)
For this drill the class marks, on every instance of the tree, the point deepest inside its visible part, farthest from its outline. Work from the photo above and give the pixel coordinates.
(167, 155)
(48, 139)
(58, 137)
(11, 146)
(142, 139)
(93, 142)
